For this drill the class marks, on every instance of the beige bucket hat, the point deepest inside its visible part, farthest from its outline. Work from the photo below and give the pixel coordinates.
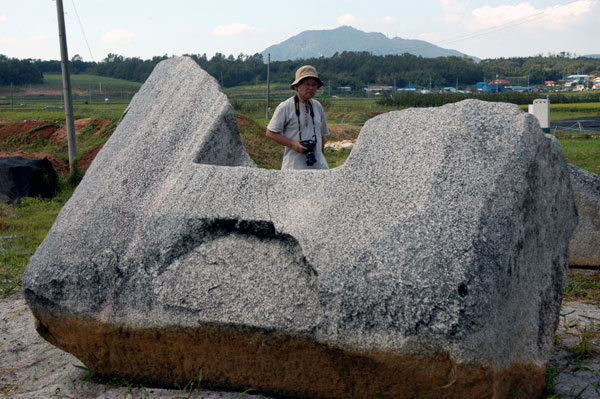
(306, 71)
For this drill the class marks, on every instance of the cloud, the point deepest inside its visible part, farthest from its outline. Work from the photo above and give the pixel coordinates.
(233, 30)
(345, 19)
(118, 35)
(8, 39)
(389, 20)
(37, 38)
(2, 17)
(452, 10)
(556, 17)
(22, 39)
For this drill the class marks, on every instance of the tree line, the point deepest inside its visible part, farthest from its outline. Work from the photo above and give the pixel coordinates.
(353, 69)
(18, 72)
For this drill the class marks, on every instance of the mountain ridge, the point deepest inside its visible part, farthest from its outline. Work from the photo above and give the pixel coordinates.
(326, 42)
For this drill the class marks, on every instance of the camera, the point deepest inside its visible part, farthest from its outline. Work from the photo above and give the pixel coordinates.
(310, 151)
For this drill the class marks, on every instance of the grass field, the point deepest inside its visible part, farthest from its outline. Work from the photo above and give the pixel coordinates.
(92, 95)
(84, 81)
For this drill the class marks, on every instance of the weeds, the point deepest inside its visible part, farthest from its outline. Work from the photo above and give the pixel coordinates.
(585, 348)
(549, 389)
(583, 287)
(23, 226)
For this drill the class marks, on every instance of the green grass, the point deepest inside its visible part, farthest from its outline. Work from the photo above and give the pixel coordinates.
(583, 286)
(336, 158)
(571, 111)
(91, 95)
(583, 152)
(22, 228)
(86, 80)
(266, 153)
(52, 109)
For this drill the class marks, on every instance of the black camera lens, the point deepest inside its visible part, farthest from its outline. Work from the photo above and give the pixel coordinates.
(310, 151)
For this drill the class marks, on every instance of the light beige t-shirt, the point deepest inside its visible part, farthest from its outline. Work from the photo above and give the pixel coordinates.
(285, 122)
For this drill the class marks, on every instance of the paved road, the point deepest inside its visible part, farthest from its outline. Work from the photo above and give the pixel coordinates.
(588, 124)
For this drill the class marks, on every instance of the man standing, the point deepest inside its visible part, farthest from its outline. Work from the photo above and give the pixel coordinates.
(299, 124)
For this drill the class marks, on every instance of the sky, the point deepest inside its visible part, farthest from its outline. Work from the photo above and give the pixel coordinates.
(147, 28)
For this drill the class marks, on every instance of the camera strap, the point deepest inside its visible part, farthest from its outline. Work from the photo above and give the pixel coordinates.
(312, 116)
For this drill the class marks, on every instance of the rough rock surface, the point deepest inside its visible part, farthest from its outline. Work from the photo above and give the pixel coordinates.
(176, 254)
(584, 249)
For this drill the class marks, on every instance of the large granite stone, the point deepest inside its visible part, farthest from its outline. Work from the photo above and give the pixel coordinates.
(584, 249)
(431, 264)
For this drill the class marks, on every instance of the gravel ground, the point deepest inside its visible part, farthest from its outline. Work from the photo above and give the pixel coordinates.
(31, 368)
(576, 357)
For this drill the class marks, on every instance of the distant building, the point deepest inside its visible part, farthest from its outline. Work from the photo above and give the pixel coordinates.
(344, 88)
(489, 88)
(409, 87)
(550, 83)
(521, 89)
(377, 90)
(579, 78)
(499, 82)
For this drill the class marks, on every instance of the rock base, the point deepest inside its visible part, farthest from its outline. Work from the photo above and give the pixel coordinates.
(274, 363)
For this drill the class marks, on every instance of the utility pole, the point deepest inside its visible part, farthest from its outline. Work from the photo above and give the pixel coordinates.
(12, 107)
(64, 64)
(268, 86)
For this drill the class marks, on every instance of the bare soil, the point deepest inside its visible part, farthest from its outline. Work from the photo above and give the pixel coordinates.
(18, 128)
(56, 134)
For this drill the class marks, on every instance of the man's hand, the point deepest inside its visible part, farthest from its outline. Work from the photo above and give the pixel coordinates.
(296, 146)
(281, 139)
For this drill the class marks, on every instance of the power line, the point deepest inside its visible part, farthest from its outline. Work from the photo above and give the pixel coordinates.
(494, 29)
(82, 30)
(507, 25)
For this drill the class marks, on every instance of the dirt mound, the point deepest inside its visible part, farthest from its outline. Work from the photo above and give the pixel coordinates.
(60, 166)
(60, 135)
(86, 159)
(17, 128)
(244, 122)
(56, 135)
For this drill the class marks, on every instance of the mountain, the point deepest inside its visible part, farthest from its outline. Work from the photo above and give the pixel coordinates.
(318, 43)
(592, 56)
